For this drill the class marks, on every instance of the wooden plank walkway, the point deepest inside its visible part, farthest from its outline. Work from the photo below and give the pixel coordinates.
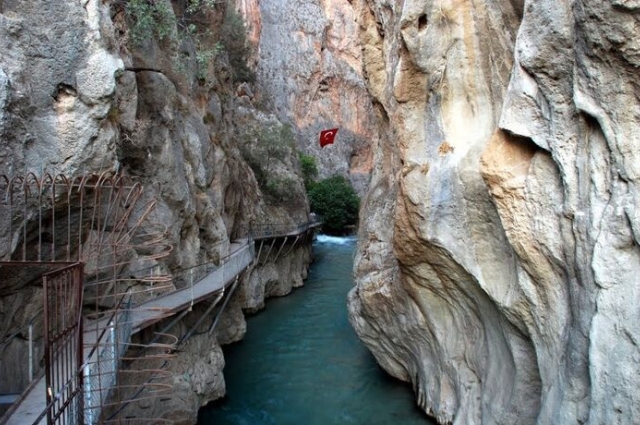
(152, 311)
(145, 314)
(222, 276)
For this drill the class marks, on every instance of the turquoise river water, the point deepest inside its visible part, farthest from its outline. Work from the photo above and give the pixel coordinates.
(301, 362)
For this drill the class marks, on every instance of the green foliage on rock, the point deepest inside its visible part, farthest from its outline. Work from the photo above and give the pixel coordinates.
(194, 6)
(151, 20)
(280, 189)
(336, 202)
(309, 168)
(156, 20)
(233, 38)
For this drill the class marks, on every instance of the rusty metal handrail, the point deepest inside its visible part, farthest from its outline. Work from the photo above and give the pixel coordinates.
(93, 219)
(259, 231)
(68, 209)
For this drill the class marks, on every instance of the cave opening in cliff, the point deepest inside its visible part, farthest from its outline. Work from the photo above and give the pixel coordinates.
(422, 22)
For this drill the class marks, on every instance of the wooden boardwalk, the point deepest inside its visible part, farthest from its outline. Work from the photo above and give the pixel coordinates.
(219, 278)
(145, 314)
(216, 278)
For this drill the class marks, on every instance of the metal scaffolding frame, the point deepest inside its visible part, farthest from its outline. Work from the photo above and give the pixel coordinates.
(86, 231)
(96, 236)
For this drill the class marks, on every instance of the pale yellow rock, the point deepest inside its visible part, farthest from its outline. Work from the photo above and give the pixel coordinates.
(506, 292)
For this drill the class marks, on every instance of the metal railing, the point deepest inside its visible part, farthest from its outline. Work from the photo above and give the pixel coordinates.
(101, 368)
(98, 374)
(62, 291)
(194, 289)
(266, 230)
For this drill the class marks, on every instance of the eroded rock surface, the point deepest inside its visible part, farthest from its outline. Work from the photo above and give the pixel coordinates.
(506, 290)
(310, 70)
(78, 94)
(56, 85)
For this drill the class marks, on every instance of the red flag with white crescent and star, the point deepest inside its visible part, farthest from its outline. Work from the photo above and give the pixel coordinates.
(327, 137)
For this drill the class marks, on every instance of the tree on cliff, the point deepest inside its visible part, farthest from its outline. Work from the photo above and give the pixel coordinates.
(336, 202)
(233, 38)
(268, 150)
(309, 169)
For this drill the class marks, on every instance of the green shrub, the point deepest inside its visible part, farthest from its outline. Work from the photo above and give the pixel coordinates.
(193, 6)
(280, 189)
(336, 202)
(273, 144)
(256, 164)
(150, 20)
(155, 20)
(262, 150)
(309, 168)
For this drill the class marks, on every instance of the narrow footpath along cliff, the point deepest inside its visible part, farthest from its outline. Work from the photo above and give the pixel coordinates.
(506, 290)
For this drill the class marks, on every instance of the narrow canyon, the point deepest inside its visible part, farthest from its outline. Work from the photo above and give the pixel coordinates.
(493, 145)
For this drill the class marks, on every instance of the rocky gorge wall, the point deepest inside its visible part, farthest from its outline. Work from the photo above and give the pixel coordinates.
(506, 290)
(85, 90)
(309, 65)
(500, 141)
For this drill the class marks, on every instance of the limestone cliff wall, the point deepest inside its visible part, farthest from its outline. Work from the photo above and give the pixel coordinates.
(309, 67)
(506, 290)
(79, 93)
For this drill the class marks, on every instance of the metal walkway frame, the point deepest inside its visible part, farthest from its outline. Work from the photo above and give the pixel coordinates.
(64, 225)
(216, 279)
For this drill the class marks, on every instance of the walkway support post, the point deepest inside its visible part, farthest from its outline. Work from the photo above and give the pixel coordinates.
(194, 327)
(224, 304)
(270, 248)
(280, 250)
(259, 251)
(292, 246)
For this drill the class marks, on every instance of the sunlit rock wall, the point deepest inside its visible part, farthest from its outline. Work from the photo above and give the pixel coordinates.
(309, 68)
(506, 290)
(57, 80)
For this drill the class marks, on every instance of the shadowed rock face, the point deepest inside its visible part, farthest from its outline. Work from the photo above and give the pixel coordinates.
(506, 291)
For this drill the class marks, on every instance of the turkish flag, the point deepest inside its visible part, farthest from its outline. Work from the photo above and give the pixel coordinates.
(327, 137)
